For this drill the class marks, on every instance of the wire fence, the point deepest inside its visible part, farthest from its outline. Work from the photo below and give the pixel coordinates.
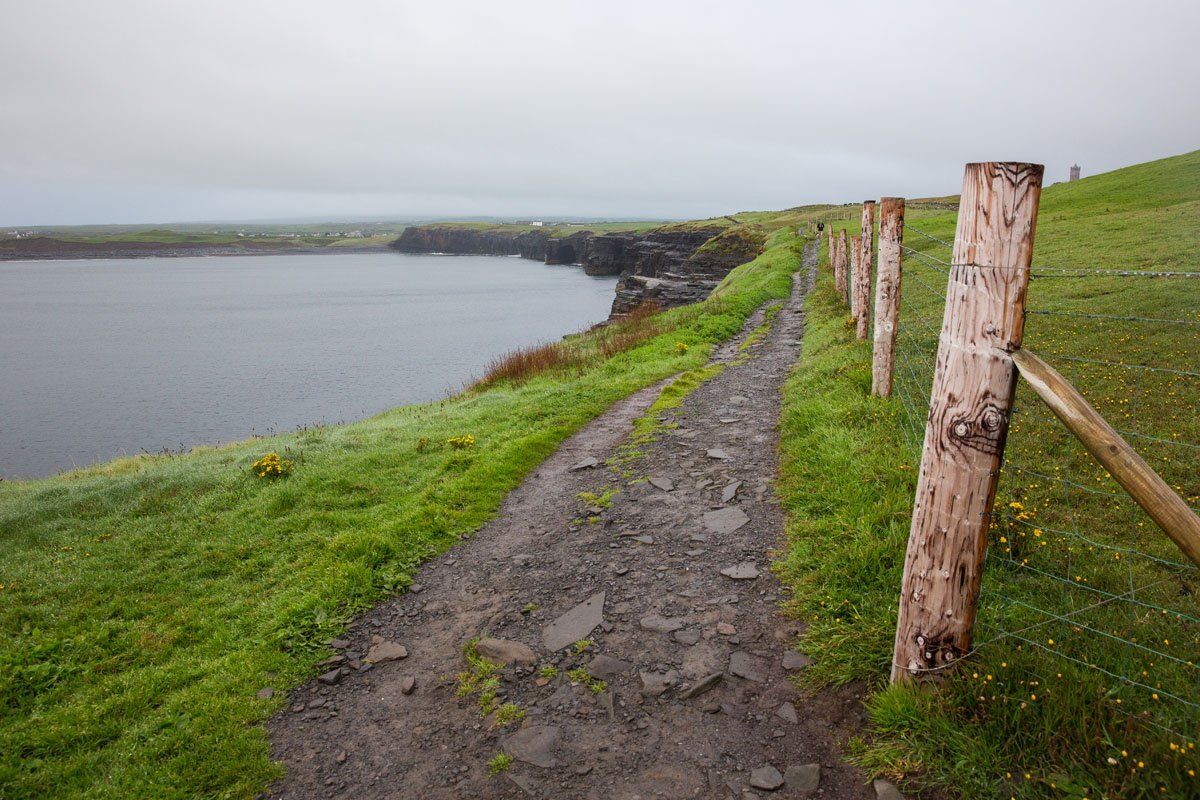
(1077, 576)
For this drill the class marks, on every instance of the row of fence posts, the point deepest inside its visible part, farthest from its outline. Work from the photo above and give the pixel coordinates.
(971, 399)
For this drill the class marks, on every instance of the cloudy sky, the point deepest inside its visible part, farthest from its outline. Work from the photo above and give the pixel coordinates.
(128, 111)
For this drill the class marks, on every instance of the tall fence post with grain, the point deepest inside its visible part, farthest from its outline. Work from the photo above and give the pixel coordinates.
(887, 295)
(970, 403)
(862, 273)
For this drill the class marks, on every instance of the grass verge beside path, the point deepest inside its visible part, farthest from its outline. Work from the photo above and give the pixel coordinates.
(1022, 717)
(145, 602)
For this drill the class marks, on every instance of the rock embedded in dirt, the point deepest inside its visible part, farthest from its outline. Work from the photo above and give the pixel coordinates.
(746, 571)
(717, 454)
(787, 713)
(886, 790)
(575, 625)
(383, 651)
(730, 491)
(504, 652)
(725, 629)
(701, 686)
(725, 520)
(687, 636)
(662, 482)
(339, 644)
(408, 684)
(744, 665)
(660, 624)
(793, 660)
(587, 463)
(766, 777)
(332, 677)
(533, 745)
(606, 667)
(803, 777)
(655, 683)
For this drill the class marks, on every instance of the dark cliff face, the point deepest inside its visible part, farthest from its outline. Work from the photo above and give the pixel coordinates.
(670, 267)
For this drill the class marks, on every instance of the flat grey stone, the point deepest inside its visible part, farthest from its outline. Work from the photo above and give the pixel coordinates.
(408, 684)
(728, 420)
(746, 571)
(787, 713)
(606, 667)
(724, 520)
(576, 624)
(717, 453)
(384, 651)
(701, 686)
(795, 660)
(744, 665)
(660, 624)
(503, 651)
(644, 539)
(533, 745)
(766, 778)
(655, 683)
(886, 790)
(662, 482)
(730, 491)
(803, 777)
(738, 399)
(687, 636)
(587, 463)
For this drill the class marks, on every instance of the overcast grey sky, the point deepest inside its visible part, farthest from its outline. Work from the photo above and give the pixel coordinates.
(130, 111)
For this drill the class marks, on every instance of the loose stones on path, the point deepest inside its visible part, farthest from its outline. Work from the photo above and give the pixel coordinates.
(383, 651)
(803, 777)
(662, 482)
(746, 571)
(586, 463)
(717, 453)
(766, 778)
(533, 745)
(724, 521)
(744, 665)
(576, 624)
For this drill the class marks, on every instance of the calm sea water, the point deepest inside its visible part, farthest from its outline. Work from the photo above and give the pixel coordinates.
(113, 357)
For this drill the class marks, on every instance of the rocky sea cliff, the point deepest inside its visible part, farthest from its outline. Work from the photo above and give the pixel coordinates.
(670, 266)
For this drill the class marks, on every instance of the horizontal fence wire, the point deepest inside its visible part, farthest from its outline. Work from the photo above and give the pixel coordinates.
(1080, 585)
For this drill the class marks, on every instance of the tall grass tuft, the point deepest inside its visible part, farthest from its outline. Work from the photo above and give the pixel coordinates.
(517, 366)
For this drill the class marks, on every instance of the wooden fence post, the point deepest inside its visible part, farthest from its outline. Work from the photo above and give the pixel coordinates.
(887, 295)
(839, 280)
(855, 251)
(862, 278)
(969, 407)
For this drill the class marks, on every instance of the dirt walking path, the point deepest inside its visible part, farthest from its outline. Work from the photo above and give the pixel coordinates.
(670, 583)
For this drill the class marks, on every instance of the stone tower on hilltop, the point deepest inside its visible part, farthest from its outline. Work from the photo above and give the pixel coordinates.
(1074, 172)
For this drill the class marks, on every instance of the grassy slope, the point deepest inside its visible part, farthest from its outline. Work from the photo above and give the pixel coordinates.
(144, 602)
(1021, 719)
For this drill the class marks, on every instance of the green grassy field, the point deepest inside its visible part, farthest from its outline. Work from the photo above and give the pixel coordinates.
(144, 602)
(1087, 683)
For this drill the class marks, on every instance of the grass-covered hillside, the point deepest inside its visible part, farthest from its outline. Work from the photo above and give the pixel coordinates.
(145, 602)
(1086, 681)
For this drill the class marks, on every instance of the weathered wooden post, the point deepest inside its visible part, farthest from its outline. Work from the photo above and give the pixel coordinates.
(887, 295)
(862, 278)
(840, 281)
(832, 251)
(969, 407)
(855, 253)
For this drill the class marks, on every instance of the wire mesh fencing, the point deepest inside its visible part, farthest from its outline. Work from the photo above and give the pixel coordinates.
(1077, 574)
